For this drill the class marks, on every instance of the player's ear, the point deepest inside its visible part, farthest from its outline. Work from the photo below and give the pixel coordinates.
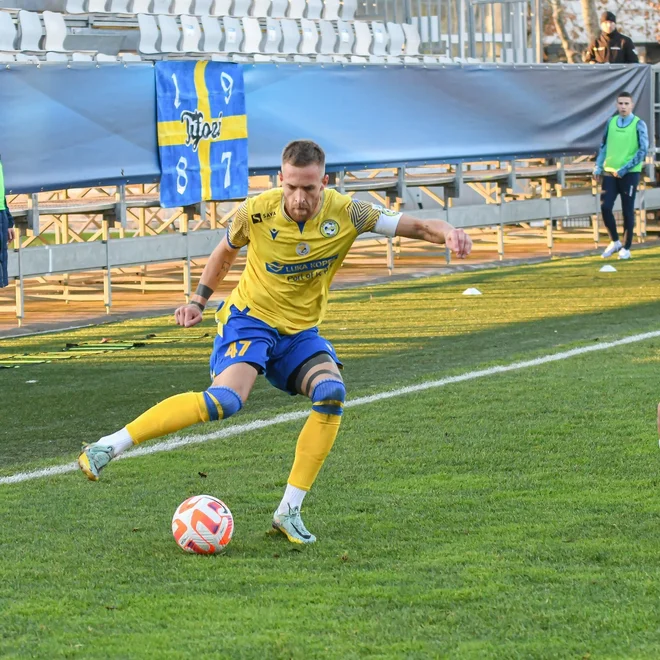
(325, 180)
(281, 178)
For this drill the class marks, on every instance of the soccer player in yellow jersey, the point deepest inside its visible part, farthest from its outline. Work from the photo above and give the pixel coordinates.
(297, 237)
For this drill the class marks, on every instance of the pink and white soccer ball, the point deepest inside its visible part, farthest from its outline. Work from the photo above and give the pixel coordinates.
(203, 524)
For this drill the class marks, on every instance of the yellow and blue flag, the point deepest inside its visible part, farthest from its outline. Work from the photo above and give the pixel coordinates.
(202, 132)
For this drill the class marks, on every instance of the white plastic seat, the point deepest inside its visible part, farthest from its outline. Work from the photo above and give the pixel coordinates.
(260, 8)
(331, 10)
(241, 8)
(233, 34)
(180, 7)
(377, 59)
(130, 57)
(357, 59)
(362, 46)
(141, 6)
(7, 32)
(191, 33)
(148, 34)
(302, 58)
(161, 6)
(81, 57)
(31, 31)
(102, 58)
(55, 31)
(396, 39)
(96, 6)
(290, 36)
(24, 57)
(212, 30)
(296, 9)
(252, 35)
(57, 57)
(170, 34)
(7, 57)
(346, 38)
(75, 6)
(273, 42)
(328, 44)
(314, 9)
(221, 8)
(278, 8)
(202, 7)
(381, 39)
(340, 59)
(120, 7)
(348, 9)
(412, 39)
(310, 36)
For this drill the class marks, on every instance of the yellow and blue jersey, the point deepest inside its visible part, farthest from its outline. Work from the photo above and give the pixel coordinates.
(291, 265)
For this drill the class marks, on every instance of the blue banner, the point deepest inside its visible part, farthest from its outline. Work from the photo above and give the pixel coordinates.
(202, 132)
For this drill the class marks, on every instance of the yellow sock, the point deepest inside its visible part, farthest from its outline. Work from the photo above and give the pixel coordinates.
(170, 415)
(314, 444)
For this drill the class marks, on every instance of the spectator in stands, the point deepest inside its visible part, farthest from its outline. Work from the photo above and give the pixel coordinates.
(619, 163)
(611, 47)
(6, 231)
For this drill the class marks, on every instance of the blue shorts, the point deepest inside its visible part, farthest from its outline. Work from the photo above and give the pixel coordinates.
(247, 339)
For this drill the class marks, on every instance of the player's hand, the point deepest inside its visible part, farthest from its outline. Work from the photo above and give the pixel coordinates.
(459, 243)
(188, 315)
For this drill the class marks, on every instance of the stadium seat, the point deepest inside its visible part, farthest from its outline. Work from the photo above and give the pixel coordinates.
(241, 8)
(260, 8)
(7, 57)
(31, 31)
(191, 33)
(233, 34)
(296, 9)
(331, 10)
(202, 7)
(310, 36)
(291, 37)
(55, 31)
(278, 8)
(57, 57)
(328, 44)
(148, 34)
(221, 8)
(273, 37)
(24, 57)
(75, 6)
(396, 39)
(170, 34)
(212, 35)
(161, 6)
(130, 57)
(102, 58)
(362, 45)
(7, 32)
(96, 6)
(120, 7)
(81, 57)
(141, 6)
(314, 9)
(180, 7)
(346, 38)
(412, 40)
(349, 7)
(252, 35)
(381, 39)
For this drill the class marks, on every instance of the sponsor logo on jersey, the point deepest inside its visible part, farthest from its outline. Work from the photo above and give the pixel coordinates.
(384, 211)
(256, 218)
(260, 217)
(303, 249)
(303, 267)
(329, 228)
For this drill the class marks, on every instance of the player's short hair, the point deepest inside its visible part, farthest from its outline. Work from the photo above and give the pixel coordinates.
(626, 95)
(301, 153)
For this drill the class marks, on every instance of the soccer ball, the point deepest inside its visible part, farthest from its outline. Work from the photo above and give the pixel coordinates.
(203, 524)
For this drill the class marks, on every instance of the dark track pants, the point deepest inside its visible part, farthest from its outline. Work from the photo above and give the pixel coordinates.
(626, 187)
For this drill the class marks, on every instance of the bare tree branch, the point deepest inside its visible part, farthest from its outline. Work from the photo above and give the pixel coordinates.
(560, 27)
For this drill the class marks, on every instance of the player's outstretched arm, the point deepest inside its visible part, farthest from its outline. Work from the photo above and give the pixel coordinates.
(216, 269)
(435, 231)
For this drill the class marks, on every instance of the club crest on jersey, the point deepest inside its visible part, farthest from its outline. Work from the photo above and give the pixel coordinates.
(329, 228)
(303, 249)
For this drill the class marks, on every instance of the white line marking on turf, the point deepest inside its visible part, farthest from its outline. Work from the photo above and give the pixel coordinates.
(183, 441)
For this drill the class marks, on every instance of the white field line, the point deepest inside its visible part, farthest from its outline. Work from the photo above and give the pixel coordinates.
(183, 441)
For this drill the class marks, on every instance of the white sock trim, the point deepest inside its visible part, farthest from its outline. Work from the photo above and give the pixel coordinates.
(119, 441)
(293, 497)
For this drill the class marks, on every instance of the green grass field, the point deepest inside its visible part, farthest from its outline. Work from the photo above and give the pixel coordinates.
(510, 516)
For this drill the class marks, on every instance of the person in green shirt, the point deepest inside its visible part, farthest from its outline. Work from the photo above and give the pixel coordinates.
(6, 231)
(619, 164)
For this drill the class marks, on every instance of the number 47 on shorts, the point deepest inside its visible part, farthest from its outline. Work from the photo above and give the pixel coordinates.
(237, 348)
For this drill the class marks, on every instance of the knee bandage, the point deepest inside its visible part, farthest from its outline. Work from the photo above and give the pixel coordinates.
(222, 402)
(328, 397)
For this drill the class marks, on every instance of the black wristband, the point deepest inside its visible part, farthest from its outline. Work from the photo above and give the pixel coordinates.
(198, 304)
(204, 291)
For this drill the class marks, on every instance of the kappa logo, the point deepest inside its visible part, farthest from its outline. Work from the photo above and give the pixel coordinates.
(274, 233)
(329, 228)
(303, 249)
